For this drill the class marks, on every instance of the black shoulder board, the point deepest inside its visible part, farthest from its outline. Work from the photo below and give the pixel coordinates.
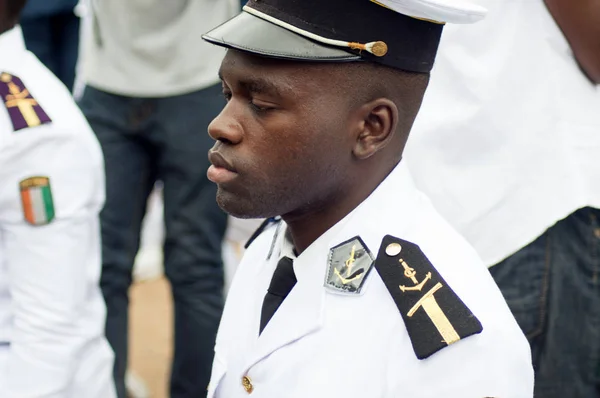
(434, 315)
(260, 229)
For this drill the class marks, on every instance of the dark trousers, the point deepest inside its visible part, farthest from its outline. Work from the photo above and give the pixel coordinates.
(144, 140)
(553, 289)
(54, 39)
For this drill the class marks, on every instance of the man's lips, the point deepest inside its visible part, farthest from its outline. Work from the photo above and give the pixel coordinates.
(221, 170)
(217, 160)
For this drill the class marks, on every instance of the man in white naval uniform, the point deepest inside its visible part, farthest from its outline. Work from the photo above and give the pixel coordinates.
(354, 286)
(52, 314)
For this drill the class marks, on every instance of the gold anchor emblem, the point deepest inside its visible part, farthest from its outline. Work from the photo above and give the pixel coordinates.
(411, 274)
(349, 277)
(429, 304)
(18, 99)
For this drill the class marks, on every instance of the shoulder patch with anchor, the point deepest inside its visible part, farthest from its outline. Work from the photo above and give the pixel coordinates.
(348, 265)
(434, 315)
(23, 109)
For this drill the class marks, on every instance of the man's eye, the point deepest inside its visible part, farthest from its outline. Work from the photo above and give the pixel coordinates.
(258, 107)
(226, 95)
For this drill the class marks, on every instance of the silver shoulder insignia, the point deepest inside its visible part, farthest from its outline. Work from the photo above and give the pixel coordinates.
(348, 265)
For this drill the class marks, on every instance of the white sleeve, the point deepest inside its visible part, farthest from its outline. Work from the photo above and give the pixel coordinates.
(51, 267)
(492, 365)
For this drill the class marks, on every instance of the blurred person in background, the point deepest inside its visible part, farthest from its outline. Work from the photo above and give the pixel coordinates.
(52, 314)
(237, 235)
(507, 146)
(51, 31)
(149, 99)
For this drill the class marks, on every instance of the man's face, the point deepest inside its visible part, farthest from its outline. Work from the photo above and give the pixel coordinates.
(283, 143)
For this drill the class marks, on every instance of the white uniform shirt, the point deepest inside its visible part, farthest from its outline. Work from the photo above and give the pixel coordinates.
(51, 309)
(508, 138)
(322, 344)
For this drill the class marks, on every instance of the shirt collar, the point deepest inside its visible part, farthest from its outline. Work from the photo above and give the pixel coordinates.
(12, 48)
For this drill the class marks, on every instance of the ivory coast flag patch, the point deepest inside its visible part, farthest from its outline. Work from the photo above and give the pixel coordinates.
(36, 197)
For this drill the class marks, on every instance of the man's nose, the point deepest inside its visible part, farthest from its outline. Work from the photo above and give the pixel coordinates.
(225, 127)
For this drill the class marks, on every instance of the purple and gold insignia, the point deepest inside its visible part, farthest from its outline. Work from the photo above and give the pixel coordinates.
(23, 109)
(36, 198)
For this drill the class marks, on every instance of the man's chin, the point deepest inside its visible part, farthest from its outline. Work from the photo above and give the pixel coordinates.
(239, 207)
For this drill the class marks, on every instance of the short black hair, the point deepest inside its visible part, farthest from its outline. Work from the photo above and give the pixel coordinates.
(368, 81)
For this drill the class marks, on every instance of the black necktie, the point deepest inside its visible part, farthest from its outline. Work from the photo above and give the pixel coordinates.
(282, 283)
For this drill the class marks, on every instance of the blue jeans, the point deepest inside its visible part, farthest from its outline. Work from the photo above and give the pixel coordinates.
(144, 140)
(54, 39)
(553, 289)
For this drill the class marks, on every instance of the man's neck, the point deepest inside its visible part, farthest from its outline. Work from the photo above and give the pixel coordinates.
(309, 226)
(304, 230)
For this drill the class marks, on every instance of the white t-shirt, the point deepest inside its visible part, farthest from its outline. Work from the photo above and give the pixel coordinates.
(508, 139)
(153, 48)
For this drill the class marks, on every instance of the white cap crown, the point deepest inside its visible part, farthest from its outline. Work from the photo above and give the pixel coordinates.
(441, 11)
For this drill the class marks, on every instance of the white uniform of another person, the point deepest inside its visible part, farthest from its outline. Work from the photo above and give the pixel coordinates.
(325, 342)
(507, 146)
(52, 313)
(237, 234)
(507, 140)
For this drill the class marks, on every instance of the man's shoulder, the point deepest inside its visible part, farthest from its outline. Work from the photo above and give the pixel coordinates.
(35, 100)
(47, 146)
(53, 95)
(423, 226)
(425, 260)
(437, 244)
(450, 309)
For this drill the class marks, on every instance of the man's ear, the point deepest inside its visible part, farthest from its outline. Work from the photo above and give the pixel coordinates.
(379, 119)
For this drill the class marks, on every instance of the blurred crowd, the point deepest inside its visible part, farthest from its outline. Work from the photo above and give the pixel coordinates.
(506, 146)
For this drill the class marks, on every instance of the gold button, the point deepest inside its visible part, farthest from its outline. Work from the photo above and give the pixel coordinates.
(379, 49)
(393, 249)
(247, 383)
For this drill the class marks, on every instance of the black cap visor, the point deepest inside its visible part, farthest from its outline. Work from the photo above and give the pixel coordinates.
(249, 33)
